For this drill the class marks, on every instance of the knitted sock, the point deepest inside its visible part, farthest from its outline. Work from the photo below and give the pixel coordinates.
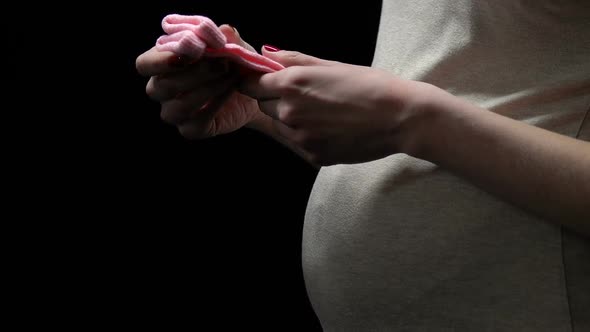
(197, 36)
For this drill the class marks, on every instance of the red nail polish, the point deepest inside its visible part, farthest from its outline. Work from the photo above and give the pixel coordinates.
(271, 48)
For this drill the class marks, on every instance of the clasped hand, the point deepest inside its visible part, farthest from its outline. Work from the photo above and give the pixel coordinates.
(329, 112)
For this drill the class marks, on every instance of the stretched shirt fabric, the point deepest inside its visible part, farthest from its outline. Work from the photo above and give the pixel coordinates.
(399, 244)
(195, 36)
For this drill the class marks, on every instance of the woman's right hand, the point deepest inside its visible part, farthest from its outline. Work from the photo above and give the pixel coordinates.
(198, 95)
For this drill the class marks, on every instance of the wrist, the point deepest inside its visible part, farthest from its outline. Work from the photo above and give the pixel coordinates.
(439, 124)
(426, 119)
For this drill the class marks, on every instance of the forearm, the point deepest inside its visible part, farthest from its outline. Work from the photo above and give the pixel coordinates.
(540, 171)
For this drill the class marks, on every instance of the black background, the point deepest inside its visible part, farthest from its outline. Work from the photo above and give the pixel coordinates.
(141, 228)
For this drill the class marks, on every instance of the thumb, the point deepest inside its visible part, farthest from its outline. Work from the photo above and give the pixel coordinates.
(233, 36)
(293, 58)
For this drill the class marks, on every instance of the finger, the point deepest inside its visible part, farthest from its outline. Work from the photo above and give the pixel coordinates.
(154, 62)
(285, 131)
(293, 58)
(296, 138)
(233, 36)
(202, 122)
(285, 110)
(168, 86)
(178, 110)
(266, 86)
(270, 107)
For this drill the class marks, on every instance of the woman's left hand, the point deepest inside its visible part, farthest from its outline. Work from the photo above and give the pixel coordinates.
(338, 113)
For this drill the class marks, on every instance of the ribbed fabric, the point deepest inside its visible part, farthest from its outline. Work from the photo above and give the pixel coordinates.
(198, 36)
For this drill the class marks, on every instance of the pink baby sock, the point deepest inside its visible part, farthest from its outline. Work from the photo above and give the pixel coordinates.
(196, 36)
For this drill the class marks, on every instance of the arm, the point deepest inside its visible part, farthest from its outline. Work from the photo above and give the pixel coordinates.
(348, 114)
(543, 172)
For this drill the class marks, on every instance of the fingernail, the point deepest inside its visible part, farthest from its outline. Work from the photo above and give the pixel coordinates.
(271, 48)
(178, 61)
(235, 30)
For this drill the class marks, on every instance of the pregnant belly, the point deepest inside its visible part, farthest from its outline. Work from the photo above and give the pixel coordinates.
(412, 247)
